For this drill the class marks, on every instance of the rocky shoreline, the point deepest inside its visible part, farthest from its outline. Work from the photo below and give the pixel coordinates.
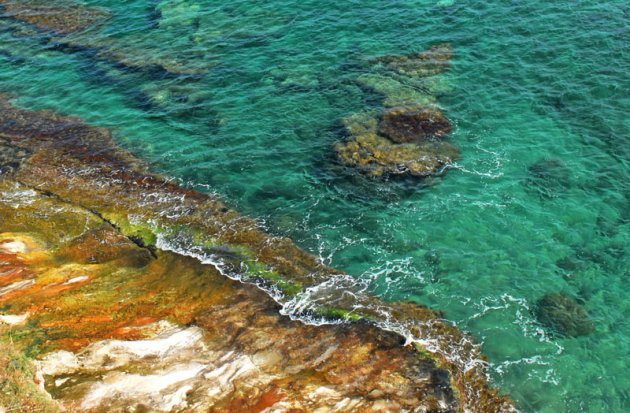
(111, 318)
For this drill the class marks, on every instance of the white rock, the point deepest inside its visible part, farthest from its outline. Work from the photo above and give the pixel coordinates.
(13, 319)
(13, 247)
(76, 280)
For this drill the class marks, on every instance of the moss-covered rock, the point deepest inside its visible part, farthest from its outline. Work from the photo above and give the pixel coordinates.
(104, 244)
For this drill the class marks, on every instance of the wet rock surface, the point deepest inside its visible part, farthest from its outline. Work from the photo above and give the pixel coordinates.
(564, 315)
(10, 157)
(92, 277)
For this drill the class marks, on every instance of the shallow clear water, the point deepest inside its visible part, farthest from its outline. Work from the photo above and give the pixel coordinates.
(531, 81)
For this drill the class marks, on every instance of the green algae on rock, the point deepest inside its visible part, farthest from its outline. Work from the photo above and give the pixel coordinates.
(76, 189)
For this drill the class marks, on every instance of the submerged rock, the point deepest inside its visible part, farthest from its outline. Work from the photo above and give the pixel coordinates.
(564, 315)
(548, 177)
(395, 92)
(405, 139)
(68, 25)
(62, 17)
(375, 155)
(405, 124)
(434, 61)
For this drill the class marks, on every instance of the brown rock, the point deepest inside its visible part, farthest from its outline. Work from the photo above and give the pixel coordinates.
(405, 124)
(60, 17)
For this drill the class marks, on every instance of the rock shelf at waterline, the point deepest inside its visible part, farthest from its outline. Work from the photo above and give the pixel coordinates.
(96, 283)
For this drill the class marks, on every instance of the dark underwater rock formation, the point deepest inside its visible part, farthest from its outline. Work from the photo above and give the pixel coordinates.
(96, 290)
(409, 124)
(548, 178)
(564, 315)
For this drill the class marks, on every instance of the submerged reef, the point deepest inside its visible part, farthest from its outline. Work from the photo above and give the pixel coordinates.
(405, 137)
(564, 315)
(122, 291)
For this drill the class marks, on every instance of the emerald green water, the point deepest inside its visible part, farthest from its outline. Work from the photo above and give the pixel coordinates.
(531, 81)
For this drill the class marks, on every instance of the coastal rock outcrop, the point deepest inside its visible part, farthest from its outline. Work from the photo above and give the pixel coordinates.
(126, 285)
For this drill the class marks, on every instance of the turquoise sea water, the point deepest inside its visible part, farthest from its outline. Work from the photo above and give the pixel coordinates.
(538, 203)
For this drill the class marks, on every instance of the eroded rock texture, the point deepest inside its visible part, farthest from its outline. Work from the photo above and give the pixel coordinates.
(94, 290)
